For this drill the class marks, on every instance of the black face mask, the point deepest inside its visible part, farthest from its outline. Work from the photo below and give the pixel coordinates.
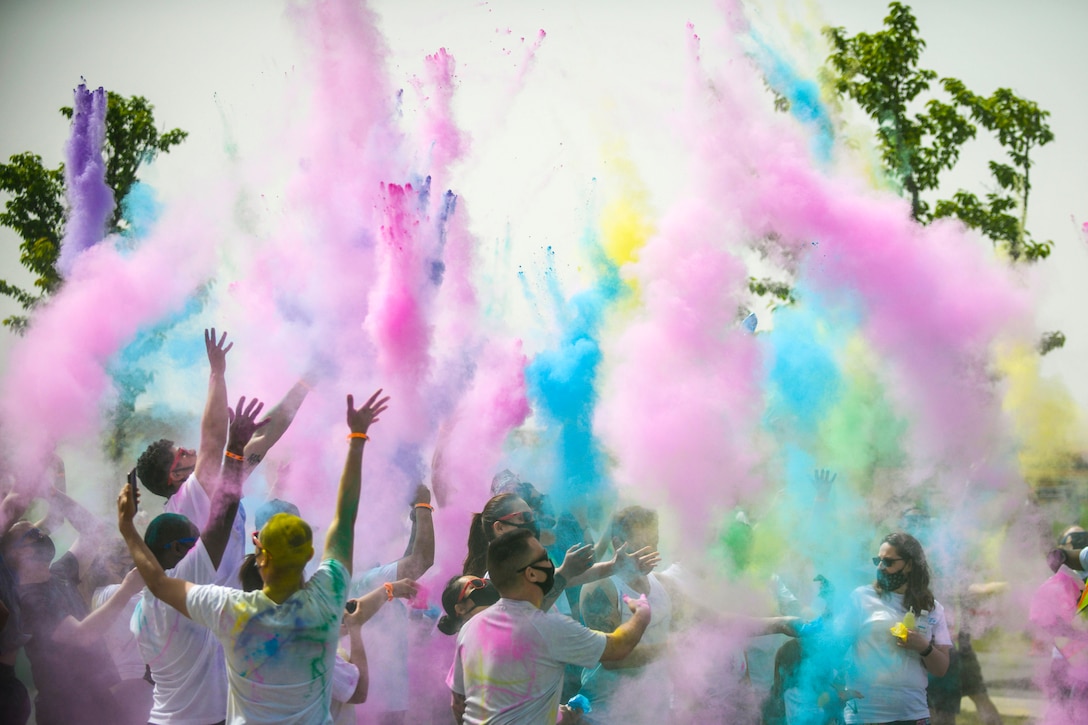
(549, 581)
(890, 582)
(484, 596)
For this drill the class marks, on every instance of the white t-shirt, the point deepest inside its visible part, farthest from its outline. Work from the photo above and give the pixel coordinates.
(192, 502)
(509, 662)
(386, 637)
(118, 638)
(891, 678)
(280, 657)
(185, 658)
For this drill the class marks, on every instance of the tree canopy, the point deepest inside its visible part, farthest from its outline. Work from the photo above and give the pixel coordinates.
(36, 209)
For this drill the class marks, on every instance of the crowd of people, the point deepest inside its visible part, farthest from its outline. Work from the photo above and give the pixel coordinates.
(180, 625)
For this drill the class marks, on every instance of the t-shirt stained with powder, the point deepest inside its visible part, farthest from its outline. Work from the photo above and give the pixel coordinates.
(280, 657)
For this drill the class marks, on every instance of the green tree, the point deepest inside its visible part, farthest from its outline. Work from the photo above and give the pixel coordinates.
(880, 72)
(1020, 127)
(36, 208)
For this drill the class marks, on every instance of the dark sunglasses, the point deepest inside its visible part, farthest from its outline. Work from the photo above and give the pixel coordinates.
(536, 565)
(470, 586)
(189, 540)
(885, 560)
(34, 533)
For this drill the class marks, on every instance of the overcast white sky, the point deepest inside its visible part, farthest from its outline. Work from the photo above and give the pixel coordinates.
(220, 69)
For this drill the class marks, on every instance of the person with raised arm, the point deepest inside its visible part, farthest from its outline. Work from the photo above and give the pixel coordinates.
(185, 659)
(65, 639)
(279, 641)
(187, 478)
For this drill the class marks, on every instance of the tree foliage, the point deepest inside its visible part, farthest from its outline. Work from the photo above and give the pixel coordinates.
(880, 72)
(36, 208)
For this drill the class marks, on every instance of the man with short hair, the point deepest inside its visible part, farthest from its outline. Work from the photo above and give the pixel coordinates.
(280, 641)
(186, 659)
(508, 665)
(603, 608)
(187, 477)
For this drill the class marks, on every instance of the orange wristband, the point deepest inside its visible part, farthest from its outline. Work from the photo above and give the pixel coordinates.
(235, 456)
(360, 436)
(389, 590)
(423, 506)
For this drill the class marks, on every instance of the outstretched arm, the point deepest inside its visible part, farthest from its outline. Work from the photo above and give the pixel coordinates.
(228, 493)
(170, 590)
(420, 554)
(622, 641)
(340, 539)
(275, 425)
(213, 426)
(94, 625)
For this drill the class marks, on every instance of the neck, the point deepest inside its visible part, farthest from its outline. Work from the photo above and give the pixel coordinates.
(280, 588)
(531, 594)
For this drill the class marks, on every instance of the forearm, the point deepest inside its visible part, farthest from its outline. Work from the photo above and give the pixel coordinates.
(640, 656)
(83, 521)
(357, 657)
(600, 570)
(623, 640)
(457, 705)
(213, 429)
(12, 509)
(936, 661)
(95, 624)
(224, 507)
(420, 557)
(279, 420)
(339, 540)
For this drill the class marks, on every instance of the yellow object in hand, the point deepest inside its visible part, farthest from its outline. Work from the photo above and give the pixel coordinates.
(900, 631)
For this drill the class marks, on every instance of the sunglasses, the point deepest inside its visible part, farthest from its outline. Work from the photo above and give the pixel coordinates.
(177, 457)
(190, 541)
(527, 517)
(885, 560)
(536, 565)
(34, 534)
(470, 586)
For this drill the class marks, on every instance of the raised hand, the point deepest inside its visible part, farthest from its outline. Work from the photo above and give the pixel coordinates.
(637, 605)
(577, 560)
(822, 478)
(126, 505)
(423, 494)
(243, 424)
(359, 421)
(217, 354)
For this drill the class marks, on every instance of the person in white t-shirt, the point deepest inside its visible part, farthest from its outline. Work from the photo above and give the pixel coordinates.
(509, 660)
(186, 660)
(279, 642)
(186, 478)
(889, 673)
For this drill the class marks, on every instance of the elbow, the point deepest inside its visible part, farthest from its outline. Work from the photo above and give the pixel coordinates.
(361, 691)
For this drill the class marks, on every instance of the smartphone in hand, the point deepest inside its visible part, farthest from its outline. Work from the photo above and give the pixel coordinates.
(132, 488)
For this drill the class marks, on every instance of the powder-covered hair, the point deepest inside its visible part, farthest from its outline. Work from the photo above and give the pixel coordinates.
(918, 596)
(153, 467)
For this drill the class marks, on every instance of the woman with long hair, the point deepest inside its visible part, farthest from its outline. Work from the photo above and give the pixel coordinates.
(888, 670)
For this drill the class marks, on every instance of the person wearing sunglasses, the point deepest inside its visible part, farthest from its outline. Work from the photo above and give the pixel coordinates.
(187, 477)
(891, 673)
(509, 658)
(463, 598)
(280, 641)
